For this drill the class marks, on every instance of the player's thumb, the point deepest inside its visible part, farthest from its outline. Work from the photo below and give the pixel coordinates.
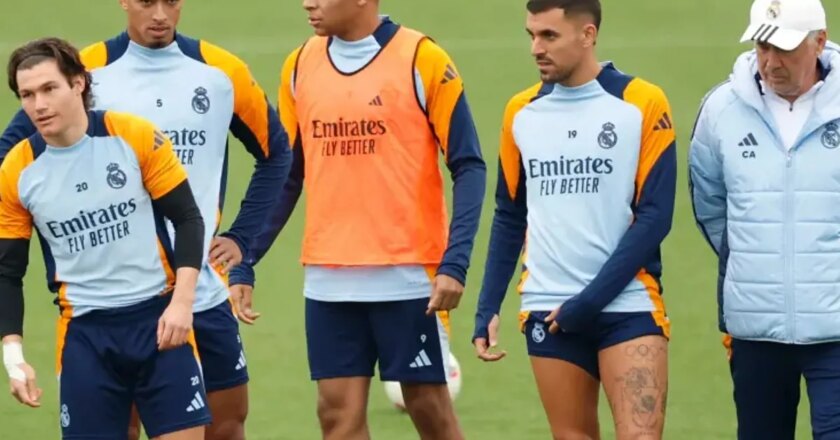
(32, 389)
(551, 316)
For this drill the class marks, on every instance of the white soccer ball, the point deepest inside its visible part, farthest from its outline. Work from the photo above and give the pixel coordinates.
(453, 382)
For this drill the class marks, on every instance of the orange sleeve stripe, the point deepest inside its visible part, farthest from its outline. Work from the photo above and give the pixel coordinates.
(15, 220)
(286, 97)
(249, 102)
(509, 156)
(95, 56)
(443, 87)
(659, 315)
(161, 169)
(167, 265)
(657, 129)
(60, 338)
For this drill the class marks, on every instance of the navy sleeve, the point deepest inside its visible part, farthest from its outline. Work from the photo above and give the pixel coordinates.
(19, 128)
(279, 216)
(507, 237)
(638, 248)
(269, 175)
(469, 175)
(14, 257)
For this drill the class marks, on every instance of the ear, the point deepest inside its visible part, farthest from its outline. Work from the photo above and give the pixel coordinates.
(590, 35)
(822, 38)
(77, 83)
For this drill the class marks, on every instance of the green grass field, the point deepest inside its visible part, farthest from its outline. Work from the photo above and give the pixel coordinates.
(684, 46)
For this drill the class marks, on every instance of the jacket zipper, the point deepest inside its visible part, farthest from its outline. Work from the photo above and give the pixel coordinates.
(789, 230)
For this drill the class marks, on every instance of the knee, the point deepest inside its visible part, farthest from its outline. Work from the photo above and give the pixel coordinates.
(336, 410)
(433, 405)
(232, 428)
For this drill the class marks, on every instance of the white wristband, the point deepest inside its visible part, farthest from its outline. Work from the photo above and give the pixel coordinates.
(12, 359)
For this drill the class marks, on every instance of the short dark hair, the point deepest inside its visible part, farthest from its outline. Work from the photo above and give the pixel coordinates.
(65, 55)
(570, 7)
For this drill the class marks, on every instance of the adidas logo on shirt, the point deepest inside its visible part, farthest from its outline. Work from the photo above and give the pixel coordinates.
(664, 123)
(241, 364)
(196, 404)
(449, 75)
(376, 101)
(422, 360)
(749, 141)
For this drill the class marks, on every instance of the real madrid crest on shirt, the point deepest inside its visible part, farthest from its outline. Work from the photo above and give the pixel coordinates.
(608, 137)
(538, 332)
(116, 177)
(201, 102)
(831, 137)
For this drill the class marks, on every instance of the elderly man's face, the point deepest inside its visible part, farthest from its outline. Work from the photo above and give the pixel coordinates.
(790, 73)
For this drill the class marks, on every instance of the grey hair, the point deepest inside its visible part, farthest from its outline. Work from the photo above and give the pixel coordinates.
(814, 34)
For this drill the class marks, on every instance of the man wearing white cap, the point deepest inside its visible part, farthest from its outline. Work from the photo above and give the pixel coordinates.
(765, 183)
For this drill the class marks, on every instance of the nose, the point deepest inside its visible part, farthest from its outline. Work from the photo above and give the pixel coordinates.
(159, 14)
(41, 105)
(773, 60)
(537, 48)
(309, 5)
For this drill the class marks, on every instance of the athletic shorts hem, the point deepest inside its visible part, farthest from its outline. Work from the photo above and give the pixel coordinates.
(204, 421)
(413, 381)
(226, 385)
(555, 355)
(632, 337)
(87, 437)
(342, 375)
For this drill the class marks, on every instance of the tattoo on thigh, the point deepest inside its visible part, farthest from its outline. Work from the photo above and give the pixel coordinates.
(645, 352)
(644, 396)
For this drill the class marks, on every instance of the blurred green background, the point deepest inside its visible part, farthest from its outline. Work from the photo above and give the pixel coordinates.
(686, 47)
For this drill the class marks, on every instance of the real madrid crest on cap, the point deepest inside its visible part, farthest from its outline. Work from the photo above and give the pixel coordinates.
(774, 10)
(608, 137)
(116, 177)
(201, 102)
(831, 137)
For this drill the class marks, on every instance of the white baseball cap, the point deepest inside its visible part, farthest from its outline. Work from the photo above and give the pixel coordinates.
(784, 23)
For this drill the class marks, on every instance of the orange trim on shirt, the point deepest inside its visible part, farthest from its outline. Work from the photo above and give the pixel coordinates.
(443, 87)
(159, 165)
(249, 101)
(659, 315)
(94, 56)
(657, 126)
(509, 156)
(60, 339)
(15, 219)
(286, 99)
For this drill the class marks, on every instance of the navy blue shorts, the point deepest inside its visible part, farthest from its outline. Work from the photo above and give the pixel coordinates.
(109, 359)
(767, 376)
(220, 348)
(582, 349)
(346, 339)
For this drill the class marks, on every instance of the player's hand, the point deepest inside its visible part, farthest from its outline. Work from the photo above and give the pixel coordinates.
(553, 328)
(175, 325)
(485, 350)
(26, 391)
(446, 294)
(242, 295)
(224, 254)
